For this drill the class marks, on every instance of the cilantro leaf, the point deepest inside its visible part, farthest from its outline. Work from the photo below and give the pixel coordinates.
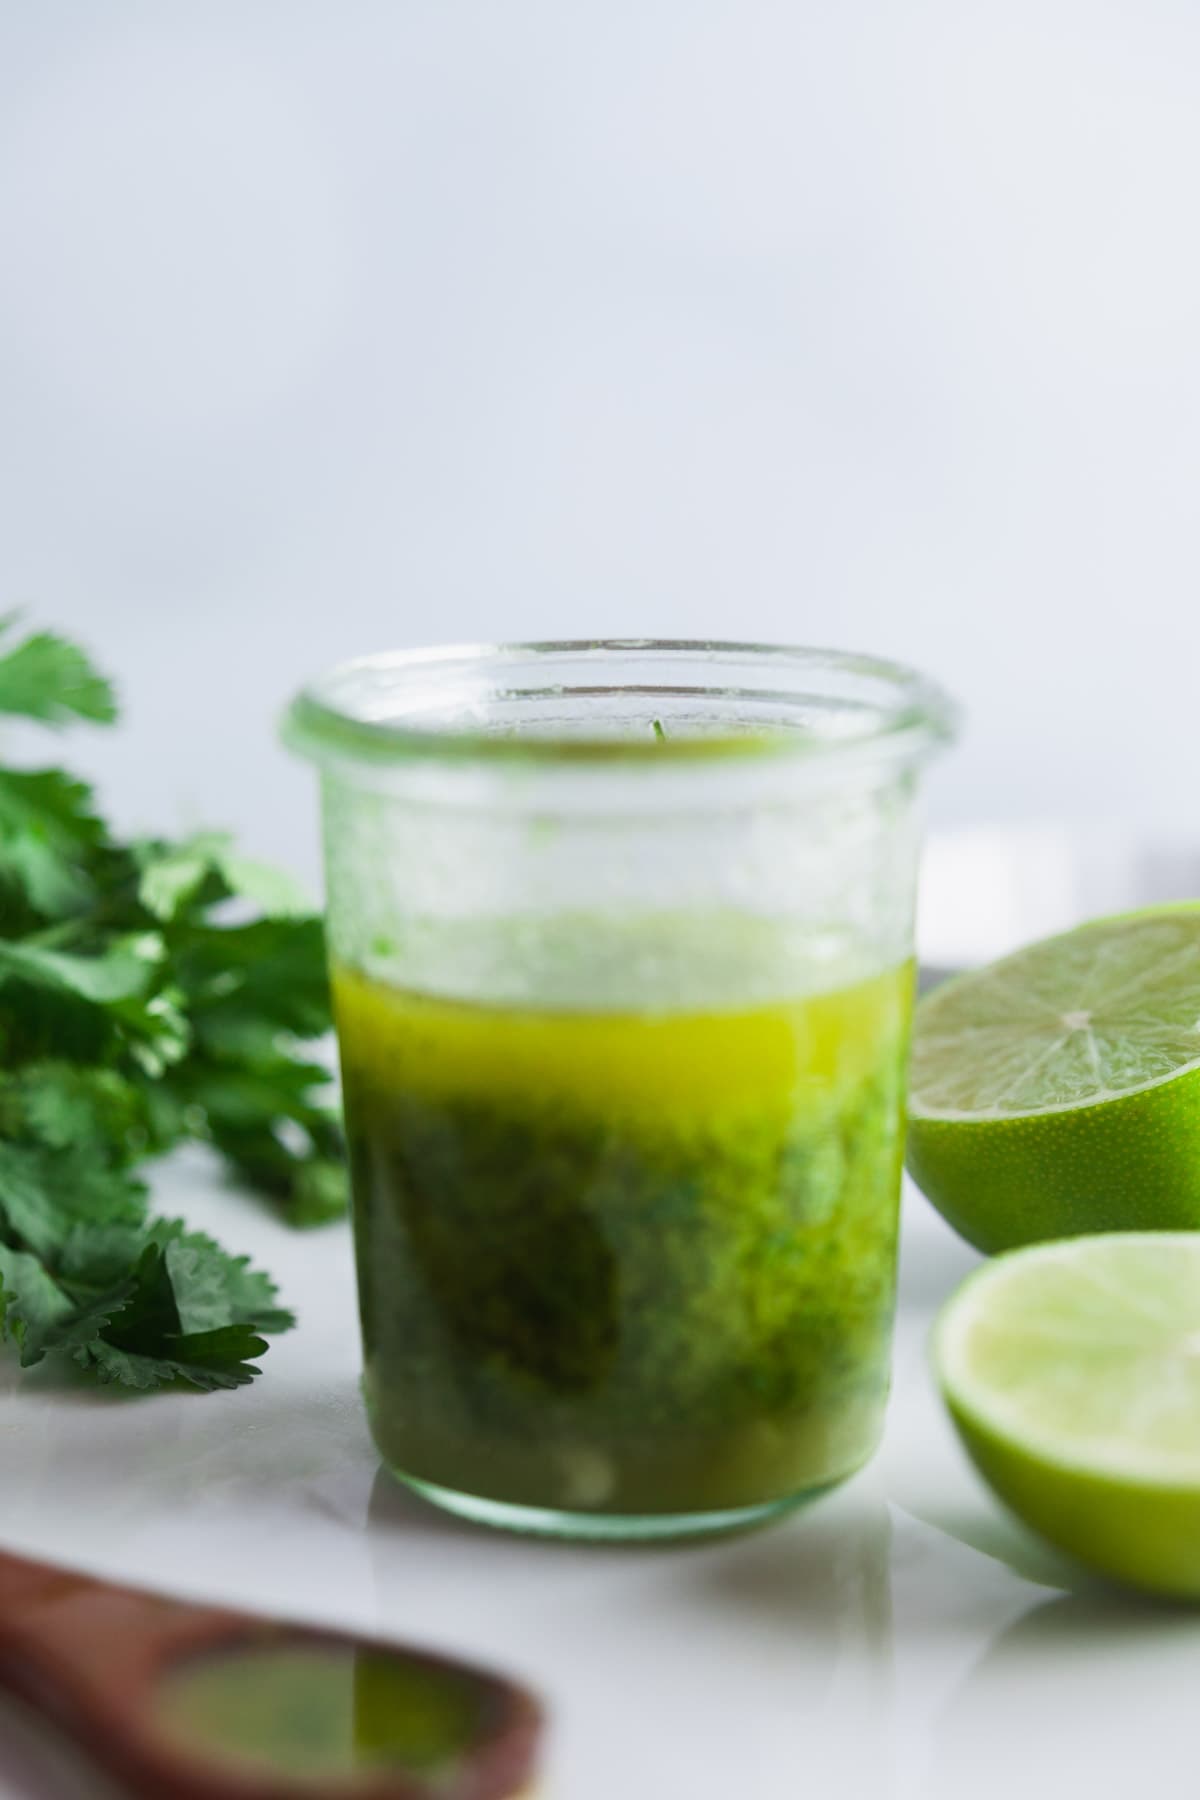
(43, 1193)
(172, 1306)
(154, 1339)
(39, 1315)
(207, 1360)
(61, 1103)
(150, 992)
(173, 876)
(275, 893)
(156, 1032)
(270, 972)
(94, 1257)
(319, 1191)
(48, 834)
(45, 677)
(122, 971)
(268, 1118)
(213, 1289)
(31, 1303)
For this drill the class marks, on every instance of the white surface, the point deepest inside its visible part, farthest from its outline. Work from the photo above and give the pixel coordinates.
(326, 327)
(899, 1640)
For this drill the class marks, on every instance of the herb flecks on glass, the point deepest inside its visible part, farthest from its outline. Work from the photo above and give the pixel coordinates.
(138, 1010)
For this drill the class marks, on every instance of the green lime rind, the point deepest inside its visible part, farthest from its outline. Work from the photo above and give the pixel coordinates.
(1072, 1374)
(1058, 1091)
(1125, 1165)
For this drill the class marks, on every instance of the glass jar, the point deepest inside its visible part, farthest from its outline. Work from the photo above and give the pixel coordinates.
(621, 950)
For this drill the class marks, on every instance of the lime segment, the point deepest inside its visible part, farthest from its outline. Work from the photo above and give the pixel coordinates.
(1072, 1371)
(1098, 1013)
(1058, 1090)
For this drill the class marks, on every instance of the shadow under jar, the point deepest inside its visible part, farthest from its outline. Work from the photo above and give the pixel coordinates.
(621, 950)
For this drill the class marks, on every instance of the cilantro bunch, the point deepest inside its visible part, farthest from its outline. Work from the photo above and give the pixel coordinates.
(150, 992)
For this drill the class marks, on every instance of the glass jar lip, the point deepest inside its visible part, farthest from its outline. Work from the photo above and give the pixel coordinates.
(912, 716)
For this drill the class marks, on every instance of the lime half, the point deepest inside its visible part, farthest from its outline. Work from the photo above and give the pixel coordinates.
(1072, 1372)
(1058, 1090)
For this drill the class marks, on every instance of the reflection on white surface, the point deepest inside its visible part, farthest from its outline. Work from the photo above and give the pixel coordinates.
(899, 1640)
(730, 1662)
(1083, 1694)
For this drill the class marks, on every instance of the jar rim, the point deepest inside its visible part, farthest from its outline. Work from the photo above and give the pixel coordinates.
(378, 708)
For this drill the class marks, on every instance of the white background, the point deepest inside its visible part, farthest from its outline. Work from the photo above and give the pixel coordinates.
(330, 326)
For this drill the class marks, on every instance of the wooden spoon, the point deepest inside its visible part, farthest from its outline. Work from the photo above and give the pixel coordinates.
(189, 1702)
